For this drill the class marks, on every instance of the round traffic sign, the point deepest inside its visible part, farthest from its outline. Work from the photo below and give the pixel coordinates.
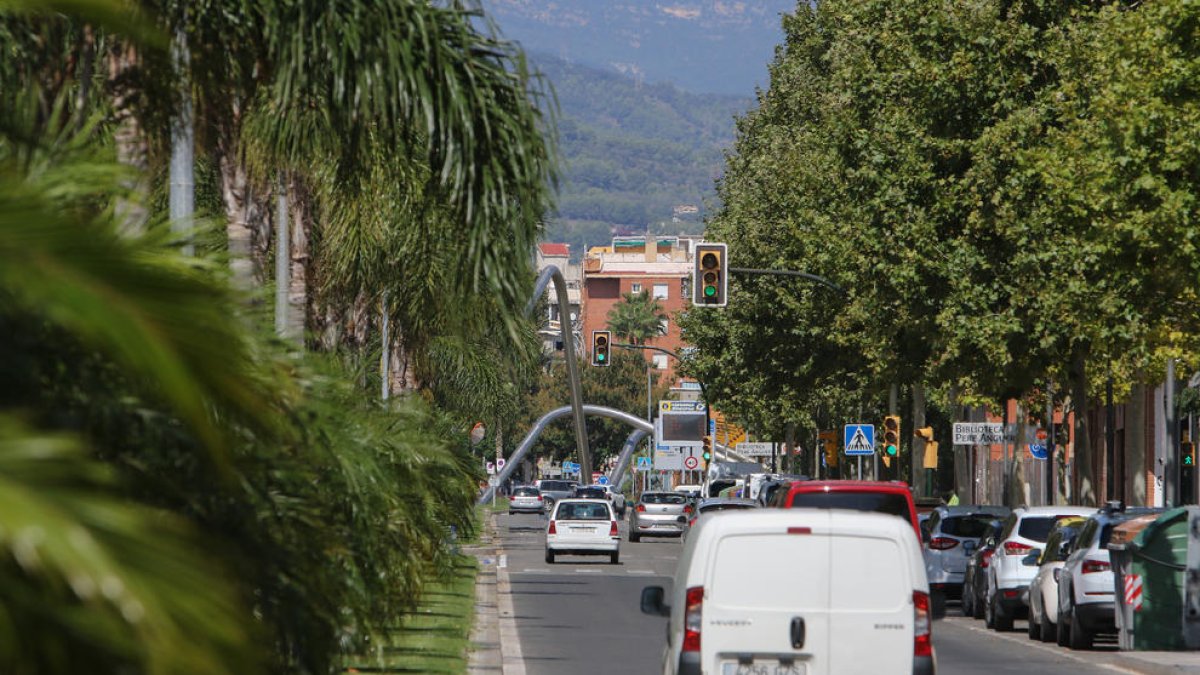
(602, 480)
(500, 462)
(690, 462)
(1041, 434)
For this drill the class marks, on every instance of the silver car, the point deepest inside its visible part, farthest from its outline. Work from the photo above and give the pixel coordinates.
(526, 499)
(950, 535)
(659, 514)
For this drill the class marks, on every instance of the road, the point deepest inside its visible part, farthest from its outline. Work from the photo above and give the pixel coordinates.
(581, 615)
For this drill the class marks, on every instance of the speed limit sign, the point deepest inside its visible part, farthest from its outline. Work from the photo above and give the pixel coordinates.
(690, 463)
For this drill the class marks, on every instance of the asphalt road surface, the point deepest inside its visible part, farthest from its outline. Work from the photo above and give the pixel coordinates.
(581, 615)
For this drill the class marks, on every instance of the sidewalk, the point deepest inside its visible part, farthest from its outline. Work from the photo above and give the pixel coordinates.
(495, 646)
(1159, 663)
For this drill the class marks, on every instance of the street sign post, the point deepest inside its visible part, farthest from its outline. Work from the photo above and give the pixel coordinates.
(755, 449)
(978, 433)
(859, 440)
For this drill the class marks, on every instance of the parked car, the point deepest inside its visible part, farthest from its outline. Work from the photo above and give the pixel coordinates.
(862, 576)
(1007, 575)
(891, 497)
(975, 577)
(773, 483)
(1043, 590)
(692, 491)
(946, 533)
(590, 492)
(583, 527)
(614, 497)
(526, 499)
(1086, 584)
(715, 504)
(553, 490)
(659, 514)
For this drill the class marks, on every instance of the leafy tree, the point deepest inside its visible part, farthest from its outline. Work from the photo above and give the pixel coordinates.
(637, 318)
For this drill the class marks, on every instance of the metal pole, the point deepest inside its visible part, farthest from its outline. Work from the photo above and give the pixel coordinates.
(1110, 440)
(552, 273)
(283, 259)
(1171, 470)
(788, 273)
(182, 197)
(1051, 498)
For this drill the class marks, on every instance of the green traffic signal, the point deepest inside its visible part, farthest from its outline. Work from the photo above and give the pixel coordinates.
(891, 450)
(600, 356)
(1188, 460)
(710, 291)
(707, 455)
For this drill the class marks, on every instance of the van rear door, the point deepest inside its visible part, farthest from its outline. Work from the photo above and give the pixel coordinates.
(763, 590)
(871, 605)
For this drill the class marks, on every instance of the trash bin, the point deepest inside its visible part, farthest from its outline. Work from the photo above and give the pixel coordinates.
(1120, 548)
(1149, 557)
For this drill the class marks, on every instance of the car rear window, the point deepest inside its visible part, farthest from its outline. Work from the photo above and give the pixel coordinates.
(967, 527)
(591, 492)
(582, 511)
(663, 498)
(875, 502)
(525, 492)
(1038, 528)
(557, 485)
(725, 507)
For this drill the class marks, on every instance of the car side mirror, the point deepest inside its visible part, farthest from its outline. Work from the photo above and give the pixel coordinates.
(652, 602)
(1031, 558)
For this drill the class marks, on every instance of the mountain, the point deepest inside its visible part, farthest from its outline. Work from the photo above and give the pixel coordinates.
(635, 156)
(720, 46)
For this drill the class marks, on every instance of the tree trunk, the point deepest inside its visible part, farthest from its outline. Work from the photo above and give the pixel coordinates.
(236, 193)
(298, 277)
(1085, 490)
(1018, 488)
(130, 140)
(404, 373)
(918, 444)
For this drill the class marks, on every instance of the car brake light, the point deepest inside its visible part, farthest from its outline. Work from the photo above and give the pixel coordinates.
(943, 543)
(799, 530)
(539, 498)
(986, 557)
(641, 508)
(1015, 547)
(687, 509)
(922, 625)
(691, 619)
(612, 531)
(552, 530)
(1091, 566)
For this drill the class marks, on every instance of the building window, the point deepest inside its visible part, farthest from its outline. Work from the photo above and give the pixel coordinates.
(664, 325)
(660, 361)
(660, 291)
(636, 288)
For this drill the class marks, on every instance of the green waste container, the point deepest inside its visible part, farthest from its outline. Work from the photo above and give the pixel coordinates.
(1149, 569)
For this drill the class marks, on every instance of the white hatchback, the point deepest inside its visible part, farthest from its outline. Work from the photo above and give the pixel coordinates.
(798, 592)
(583, 527)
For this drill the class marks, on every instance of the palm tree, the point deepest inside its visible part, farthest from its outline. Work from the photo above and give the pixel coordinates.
(637, 318)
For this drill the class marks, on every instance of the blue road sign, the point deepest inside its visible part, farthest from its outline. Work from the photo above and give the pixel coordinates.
(1038, 451)
(859, 439)
(602, 480)
(712, 427)
(644, 464)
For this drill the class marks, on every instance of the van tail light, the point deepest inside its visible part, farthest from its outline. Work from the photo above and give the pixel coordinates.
(922, 625)
(985, 558)
(943, 543)
(691, 619)
(687, 509)
(553, 529)
(612, 531)
(641, 508)
(1016, 548)
(1091, 566)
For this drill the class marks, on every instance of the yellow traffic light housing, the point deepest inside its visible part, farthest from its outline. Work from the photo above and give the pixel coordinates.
(601, 341)
(1187, 453)
(891, 438)
(710, 275)
(708, 451)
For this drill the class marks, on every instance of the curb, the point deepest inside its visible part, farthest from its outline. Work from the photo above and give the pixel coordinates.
(485, 641)
(1158, 663)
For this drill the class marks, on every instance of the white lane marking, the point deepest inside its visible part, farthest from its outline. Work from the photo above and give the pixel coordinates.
(1024, 641)
(641, 571)
(586, 571)
(503, 560)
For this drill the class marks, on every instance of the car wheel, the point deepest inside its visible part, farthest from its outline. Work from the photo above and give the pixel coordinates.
(1034, 629)
(976, 605)
(1063, 634)
(1001, 621)
(614, 557)
(1080, 637)
(634, 538)
(549, 556)
(1046, 629)
(968, 596)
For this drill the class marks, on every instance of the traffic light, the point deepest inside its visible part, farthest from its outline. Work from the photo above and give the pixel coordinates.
(929, 461)
(831, 452)
(710, 275)
(891, 438)
(1187, 453)
(600, 343)
(708, 451)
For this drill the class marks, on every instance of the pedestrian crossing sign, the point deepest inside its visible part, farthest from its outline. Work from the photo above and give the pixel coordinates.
(644, 464)
(859, 439)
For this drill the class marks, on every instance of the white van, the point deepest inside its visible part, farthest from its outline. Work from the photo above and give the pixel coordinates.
(798, 592)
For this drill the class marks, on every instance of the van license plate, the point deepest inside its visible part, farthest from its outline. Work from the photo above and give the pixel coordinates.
(765, 667)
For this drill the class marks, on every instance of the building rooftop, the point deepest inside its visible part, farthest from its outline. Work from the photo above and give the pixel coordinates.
(554, 249)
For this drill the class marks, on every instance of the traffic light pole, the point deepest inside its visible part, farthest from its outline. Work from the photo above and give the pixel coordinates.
(552, 273)
(754, 271)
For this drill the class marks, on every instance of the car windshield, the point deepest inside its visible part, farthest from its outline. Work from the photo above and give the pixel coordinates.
(876, 502)
(968, 527)
(663, 498)
(1038, 528)
(582, 511)
(557, 486)
(525, 492)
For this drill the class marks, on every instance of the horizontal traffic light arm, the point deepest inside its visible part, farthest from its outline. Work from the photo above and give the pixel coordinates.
(788, 273)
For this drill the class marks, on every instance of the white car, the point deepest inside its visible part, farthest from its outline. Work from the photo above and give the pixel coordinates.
(615, 497)
(798, 591)
(583, 527)
(1008, 576)
(1043, 590)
